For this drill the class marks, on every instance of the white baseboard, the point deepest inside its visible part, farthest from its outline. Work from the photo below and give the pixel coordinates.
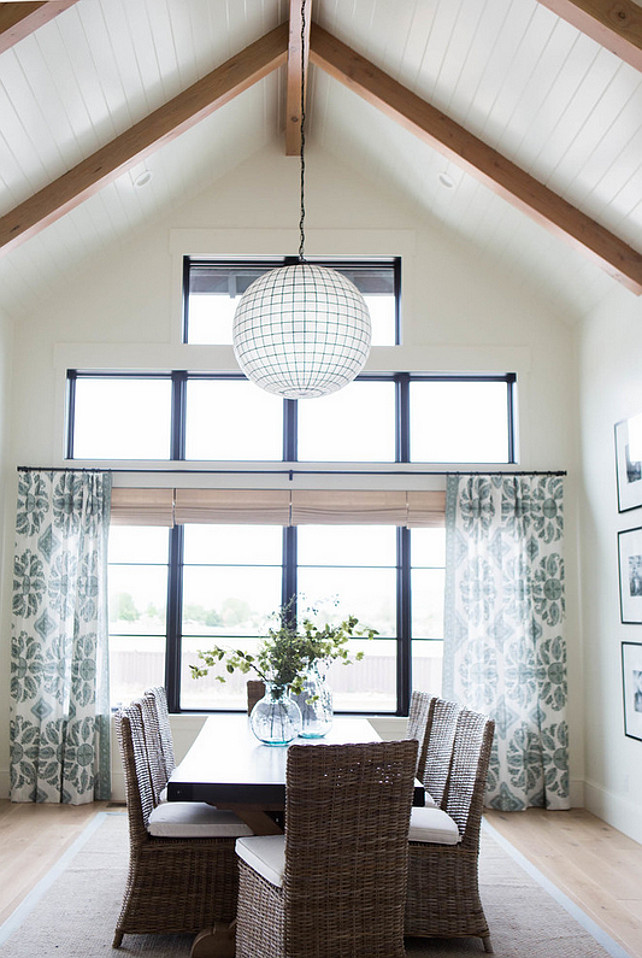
(620, 812)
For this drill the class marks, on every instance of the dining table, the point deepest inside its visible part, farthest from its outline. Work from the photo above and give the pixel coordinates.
(229, 767)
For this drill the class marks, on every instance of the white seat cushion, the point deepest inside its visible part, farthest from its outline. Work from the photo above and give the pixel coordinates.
(163, 796)
(433, 825)
(194, 820)
(429, 801)
(265, 854)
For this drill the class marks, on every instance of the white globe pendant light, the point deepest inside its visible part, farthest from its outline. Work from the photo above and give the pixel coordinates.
(302, 331)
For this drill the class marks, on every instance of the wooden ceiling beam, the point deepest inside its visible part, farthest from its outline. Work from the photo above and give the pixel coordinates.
(293, 83)
(18, 20)
(476, 157)
(163, 125)
(614, 24)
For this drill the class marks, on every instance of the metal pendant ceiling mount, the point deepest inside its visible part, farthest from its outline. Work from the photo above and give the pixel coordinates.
(302, 331)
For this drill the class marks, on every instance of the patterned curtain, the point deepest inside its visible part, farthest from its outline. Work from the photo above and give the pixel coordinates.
(60, 715)
(504, 649)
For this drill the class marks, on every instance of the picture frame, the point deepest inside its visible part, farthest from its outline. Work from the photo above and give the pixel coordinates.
(630, 575)
(628, 463)
(632, 688)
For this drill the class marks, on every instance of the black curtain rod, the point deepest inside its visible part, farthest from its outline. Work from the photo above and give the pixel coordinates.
(309, 472)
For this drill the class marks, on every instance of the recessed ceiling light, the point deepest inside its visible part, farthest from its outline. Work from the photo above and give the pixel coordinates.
(446, 180)
(143, 178)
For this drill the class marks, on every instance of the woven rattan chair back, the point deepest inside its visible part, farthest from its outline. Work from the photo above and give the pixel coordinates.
(439, 748)
(255, 692)
(422, 706)
(167, 745)
(346, 847)
(153, 744)
(464, 797)
(138, 783)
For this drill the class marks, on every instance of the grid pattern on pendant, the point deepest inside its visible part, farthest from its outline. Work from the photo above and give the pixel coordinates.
(303, 325)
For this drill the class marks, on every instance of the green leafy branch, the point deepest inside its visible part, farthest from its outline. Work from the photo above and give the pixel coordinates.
(286, 654)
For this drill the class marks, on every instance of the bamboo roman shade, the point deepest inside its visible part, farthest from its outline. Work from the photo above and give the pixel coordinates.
(283, 507)
(257, 506)
(142, 507)
(348, 507)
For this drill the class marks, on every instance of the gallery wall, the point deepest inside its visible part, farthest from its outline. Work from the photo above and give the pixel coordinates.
(610, 391)
(460, 313)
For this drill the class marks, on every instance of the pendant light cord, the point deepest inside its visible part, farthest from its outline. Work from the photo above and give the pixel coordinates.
(302, 131)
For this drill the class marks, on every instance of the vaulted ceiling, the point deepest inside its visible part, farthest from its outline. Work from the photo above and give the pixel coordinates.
(532, 109)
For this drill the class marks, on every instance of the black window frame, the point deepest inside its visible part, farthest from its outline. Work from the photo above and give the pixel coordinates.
(180, 378)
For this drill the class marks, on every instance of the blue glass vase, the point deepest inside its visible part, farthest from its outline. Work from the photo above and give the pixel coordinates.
(276, 718)
(315, 703)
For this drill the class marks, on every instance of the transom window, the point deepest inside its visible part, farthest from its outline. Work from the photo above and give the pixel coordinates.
(211, 292)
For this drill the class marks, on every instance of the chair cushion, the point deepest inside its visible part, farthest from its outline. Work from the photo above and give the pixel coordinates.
(194, 820)
(433, 825)
(265, 854)
(429, 801)
(162, 798)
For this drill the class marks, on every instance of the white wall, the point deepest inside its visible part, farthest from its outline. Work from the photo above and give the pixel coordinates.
(610, 390)
(6, 538)
(459, 314)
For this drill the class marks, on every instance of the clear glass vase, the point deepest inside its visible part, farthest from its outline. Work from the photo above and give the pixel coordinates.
(276, 718)
(315, 703)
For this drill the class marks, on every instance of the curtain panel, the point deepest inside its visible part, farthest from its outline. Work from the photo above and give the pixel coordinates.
(60, 715)
(504, 648)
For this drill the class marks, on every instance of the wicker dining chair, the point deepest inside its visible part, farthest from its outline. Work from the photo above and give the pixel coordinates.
(422, 706)
(443, 890)
(438, 750)
(335, 883)
(183, 875)
(255, 692)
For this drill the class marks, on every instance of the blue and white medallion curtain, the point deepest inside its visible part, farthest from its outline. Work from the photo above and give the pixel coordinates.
(504, 647)
(60, 716)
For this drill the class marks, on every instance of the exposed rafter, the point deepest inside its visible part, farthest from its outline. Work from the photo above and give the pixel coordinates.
(500, 174)
(18, 20)
(293, 91)
(160, 127)
(615, 24)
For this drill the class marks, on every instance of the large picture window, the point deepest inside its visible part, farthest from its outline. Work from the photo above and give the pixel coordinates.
(173, 592)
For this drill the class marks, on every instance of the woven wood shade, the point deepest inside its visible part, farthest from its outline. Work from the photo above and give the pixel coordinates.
(256, 506)
(142, 507)
(282, 507)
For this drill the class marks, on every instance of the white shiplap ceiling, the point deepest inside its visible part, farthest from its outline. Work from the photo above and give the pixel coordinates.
(550, 99)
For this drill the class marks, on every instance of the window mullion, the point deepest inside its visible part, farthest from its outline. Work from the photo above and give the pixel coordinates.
(174, 640)
(290, 568)
(404, 658)
(179, 406)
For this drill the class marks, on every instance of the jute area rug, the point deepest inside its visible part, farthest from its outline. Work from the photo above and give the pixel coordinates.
(72, 913)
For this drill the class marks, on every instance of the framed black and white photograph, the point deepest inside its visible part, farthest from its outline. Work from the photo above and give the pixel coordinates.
(630, 563)
(628, 462)
(632, 687)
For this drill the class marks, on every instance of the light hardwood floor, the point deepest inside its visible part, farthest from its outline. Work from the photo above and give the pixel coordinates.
(596, 866)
